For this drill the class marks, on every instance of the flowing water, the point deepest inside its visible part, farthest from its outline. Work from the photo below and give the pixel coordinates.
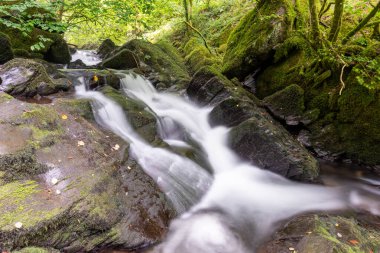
(234, 208)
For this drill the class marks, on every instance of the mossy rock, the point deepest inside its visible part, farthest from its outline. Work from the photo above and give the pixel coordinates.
(252, 44)
(287, 104)
(58, 52)
(28, 78)
(36, 250)
(125, 59)
(170, 70)
(6, 52)
(55, 48)
(106, 48)
(254, 136)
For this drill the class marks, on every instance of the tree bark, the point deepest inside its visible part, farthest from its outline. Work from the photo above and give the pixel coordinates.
(337, 20)
(361, 24)
(314, 21)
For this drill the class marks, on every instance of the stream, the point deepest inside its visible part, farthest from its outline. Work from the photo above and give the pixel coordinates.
(232, 206)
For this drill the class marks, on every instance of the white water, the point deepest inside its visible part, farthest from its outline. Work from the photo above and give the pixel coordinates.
(243, 205)
(88, 57)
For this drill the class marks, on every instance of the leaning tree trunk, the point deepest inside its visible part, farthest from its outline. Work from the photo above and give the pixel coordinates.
(185, 6)
(337, 20)
(314, 23)
(361, 24)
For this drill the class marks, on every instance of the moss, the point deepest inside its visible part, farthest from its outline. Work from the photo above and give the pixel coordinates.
(287, 102)
(251, 44)
(42, 117)
(80, 107)
(6, 52)
(125, 59)
(353, 102)
(368, 240)
(170, 70)
(4, 97)
(36, 250)
(20, 165)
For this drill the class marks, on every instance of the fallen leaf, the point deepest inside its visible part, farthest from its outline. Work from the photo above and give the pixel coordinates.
(64, 116)
(80, 143)
(96, 78)
(54, 181)
(354, 242)
(58, 192)
(18, 225)
(339, 235)
(116, 147)
(129, 167)
(292, 249)
(336, 225)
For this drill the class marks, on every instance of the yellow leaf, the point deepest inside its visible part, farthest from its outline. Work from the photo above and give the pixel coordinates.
(64, 117)
(96, 78)
(80, 143)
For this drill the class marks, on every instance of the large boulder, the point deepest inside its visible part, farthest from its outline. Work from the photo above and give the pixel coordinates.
(287, 104)
(6, 52)
(54, 48)
(161, 63)
(125, 59)
(106, 48)
(27, 78)
(59, 52)
(64, 187)
(252, 44)
(255, 136)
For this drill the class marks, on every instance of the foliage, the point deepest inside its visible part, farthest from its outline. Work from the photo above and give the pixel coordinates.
(27, 15)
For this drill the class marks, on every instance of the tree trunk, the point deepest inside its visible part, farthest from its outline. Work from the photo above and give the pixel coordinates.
(185, 6)
(337, 20)
(314, 21)
(361, 24)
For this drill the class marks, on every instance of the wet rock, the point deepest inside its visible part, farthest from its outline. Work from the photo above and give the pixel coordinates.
(6, 52)
(287, 104)
(315, 234)
(86, 198)
(78, 64)
(106, 48)
(269, 146)
(255, 136)
(59, 52)
(125, 59)
(27, 78)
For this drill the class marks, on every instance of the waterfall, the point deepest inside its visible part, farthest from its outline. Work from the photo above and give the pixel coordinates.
(236, 208)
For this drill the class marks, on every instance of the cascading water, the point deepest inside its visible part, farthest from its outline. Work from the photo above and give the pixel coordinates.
(242, 204)
(88, 57)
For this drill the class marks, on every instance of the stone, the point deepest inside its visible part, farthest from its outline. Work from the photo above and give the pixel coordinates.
(6, 52)
(287, 104)
(59, 52)
(254, 136)
(125, 59)
(27, 78)
(106, 48)
(252, 44)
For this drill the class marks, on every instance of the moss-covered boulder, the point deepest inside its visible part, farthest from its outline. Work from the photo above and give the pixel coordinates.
(287, 104)
(254, 135)
(106, 48)
(125, 59)
(55, 48)
(22, 77)
(6, 52)
(252, 44)
(58, 52)
(158, 64)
